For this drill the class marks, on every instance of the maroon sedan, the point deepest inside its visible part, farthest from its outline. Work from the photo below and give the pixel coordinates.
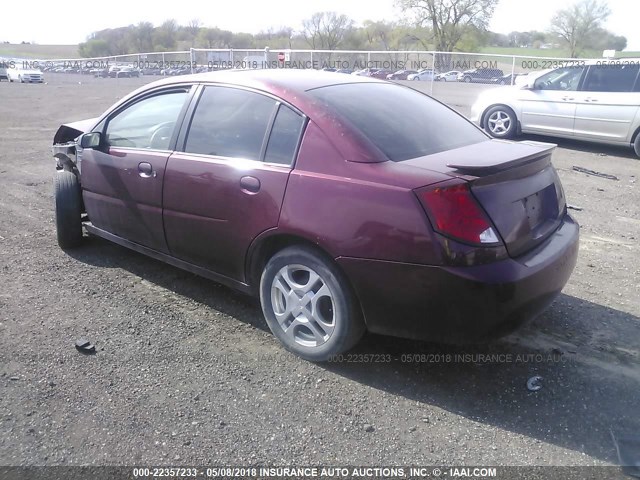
(345, 203)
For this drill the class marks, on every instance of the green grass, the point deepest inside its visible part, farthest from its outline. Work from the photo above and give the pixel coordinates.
(38, 51)
(551, 52)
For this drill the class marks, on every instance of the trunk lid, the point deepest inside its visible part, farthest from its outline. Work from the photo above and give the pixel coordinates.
(515, 183)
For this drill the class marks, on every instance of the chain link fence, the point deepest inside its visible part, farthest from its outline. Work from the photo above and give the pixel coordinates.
(415, 66)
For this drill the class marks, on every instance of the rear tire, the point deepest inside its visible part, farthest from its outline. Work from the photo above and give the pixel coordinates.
(636, 145)
(68, 200)
(309, 305)
(500, 122)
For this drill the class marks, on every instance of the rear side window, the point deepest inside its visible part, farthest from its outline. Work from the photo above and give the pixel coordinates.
(611, 78)
(285, 134)
(230, 122)
(401, 122)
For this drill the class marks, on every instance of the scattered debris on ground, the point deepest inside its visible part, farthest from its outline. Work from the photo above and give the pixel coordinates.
(594, 173)
(534, 383)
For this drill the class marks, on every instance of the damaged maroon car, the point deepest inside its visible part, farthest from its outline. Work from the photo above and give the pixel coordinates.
(346, 204)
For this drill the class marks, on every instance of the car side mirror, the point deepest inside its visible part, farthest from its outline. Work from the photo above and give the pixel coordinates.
(91, 140)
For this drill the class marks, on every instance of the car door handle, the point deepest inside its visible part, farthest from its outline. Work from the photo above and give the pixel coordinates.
(567, 98)
(589, 99)
(145, 170)
(250, 184)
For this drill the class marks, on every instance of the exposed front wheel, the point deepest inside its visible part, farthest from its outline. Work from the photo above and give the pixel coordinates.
(500, 122)
(636, 145)
(68, 209)
(308, 304)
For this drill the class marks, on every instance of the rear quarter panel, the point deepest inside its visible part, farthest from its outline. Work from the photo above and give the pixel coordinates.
(363, 210)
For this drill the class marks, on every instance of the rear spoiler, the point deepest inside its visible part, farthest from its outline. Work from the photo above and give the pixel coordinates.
(487, 165)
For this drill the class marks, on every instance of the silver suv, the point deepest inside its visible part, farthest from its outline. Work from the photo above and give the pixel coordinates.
(595, 100)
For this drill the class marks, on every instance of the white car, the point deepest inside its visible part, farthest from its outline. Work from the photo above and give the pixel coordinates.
(595, 100)
(426, 74)
(451, 76)
(22, 75)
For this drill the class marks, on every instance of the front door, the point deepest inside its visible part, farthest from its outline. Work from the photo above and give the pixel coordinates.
(122, 180)
(550, 107)
(227, 185)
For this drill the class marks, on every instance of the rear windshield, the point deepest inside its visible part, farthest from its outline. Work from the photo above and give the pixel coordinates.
(401, 122)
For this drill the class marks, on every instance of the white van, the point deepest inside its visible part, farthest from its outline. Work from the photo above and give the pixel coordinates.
(595, 100)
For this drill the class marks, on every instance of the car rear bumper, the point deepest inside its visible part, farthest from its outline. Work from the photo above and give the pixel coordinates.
(463, 304)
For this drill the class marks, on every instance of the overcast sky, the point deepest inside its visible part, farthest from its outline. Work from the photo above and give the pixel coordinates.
(47, 22)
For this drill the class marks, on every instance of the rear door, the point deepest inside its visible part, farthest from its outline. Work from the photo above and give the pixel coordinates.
(122, 180)
(608, 103)
(227, 183)
(550, 107)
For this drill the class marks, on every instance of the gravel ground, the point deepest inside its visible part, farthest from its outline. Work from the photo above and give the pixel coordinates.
(187, 372)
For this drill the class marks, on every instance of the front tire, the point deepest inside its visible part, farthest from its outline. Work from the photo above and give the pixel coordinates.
(68, 200)
(308, 304)
(636, 145)
(500, 122)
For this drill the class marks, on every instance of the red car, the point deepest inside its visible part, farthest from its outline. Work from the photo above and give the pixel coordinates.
(344, 204)
(381, 73)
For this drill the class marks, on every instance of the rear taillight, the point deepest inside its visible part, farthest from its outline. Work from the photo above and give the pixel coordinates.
(455, 212)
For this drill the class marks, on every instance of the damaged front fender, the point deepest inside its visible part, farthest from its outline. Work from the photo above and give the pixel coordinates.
(65, 145)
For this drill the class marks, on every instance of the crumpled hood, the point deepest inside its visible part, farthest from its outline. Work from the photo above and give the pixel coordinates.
(71, 131)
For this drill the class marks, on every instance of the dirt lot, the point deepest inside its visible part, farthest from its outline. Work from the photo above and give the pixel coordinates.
(188, 373)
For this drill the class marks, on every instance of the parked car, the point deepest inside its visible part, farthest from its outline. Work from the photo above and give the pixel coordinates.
(3, 72)
(151, 71)
(344, 205)
(401, 74)
(509, 79)
(597, 101)
(426, 74)
(365, 72)
(348, 71)
(128, 72)
(451, 76)
(24, 75)
(380, 73)
(480, 75)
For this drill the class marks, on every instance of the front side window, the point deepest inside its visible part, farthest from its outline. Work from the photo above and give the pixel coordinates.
(611, 78)
(565, 78)
(148, 123)
(230, 122)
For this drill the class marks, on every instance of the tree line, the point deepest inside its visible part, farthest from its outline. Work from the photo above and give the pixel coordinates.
(443, 25)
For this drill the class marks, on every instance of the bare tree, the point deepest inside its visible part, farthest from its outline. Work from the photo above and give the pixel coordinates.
(193, 27)
(326, 30)
(449, 19)
(577, 24)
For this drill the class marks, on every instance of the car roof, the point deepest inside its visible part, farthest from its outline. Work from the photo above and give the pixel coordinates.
(271, 80)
